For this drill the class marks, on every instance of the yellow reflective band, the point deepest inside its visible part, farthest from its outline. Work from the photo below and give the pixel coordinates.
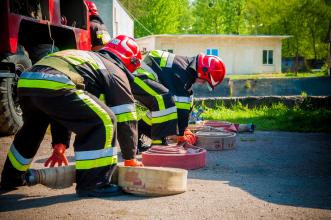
(141, 71)
(186, 106)
(43, 84)
(77, 57)
(156, 141)
(75, 60)
(102, 98)
(100, 162)
(147, 120)
(107, 122)
(150, 91)
(105, 37)
(81, 61)
(164, 59)
(129, 116)
(16, 164)
(156, 53)
(163, 119)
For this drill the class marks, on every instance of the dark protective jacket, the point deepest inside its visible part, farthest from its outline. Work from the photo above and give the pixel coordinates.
(97, 74)
(162, 112)
(176, 73)
(98, 31)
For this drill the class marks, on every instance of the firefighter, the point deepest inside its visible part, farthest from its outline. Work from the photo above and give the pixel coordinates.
(99, 37)
(150, 94)
(98, 30)
(177, 74)
(67, 87)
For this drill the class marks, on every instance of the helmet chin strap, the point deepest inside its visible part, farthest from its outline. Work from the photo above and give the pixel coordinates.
(209, 87)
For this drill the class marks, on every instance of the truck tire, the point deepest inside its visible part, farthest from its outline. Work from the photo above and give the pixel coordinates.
(11, 114)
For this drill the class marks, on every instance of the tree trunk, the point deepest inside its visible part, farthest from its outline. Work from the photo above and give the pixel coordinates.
(296, 66)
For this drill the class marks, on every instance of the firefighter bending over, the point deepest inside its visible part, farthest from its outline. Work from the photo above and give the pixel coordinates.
(67, 87)
(175, 76)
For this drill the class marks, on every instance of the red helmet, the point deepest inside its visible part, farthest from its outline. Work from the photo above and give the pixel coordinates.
(211, 69)
(92, 8)
(127, 49)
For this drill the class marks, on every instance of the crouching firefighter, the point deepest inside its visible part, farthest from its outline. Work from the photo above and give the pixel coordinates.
(64, 87)
(177, 74)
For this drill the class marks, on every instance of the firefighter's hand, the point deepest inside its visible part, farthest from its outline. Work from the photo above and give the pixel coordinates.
(133, 163)
(188, 137)
(58, 156)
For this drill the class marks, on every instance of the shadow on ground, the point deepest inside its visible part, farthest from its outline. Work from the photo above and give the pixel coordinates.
(14, 202)
(283, 168)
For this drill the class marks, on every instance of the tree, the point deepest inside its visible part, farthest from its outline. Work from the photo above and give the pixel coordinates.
(218, 16)
(159, 16)
(306, 21)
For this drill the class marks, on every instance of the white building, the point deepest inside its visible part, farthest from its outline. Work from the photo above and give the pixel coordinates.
(115, 17)
(242, 54)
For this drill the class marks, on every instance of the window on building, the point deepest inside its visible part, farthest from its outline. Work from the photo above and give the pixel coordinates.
(212, 52)
(268, 57)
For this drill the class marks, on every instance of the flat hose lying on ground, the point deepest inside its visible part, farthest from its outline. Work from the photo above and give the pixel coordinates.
(144, 181)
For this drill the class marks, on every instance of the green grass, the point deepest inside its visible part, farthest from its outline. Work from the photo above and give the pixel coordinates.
(277, 75)
(276, 118)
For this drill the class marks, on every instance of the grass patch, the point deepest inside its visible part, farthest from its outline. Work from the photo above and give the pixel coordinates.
(277, 117)
(277, 75)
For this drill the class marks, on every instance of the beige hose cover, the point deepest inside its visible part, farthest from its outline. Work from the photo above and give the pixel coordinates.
(152, 181)
(216, 140)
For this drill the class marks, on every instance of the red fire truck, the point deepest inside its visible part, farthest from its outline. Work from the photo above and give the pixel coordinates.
(30, 29)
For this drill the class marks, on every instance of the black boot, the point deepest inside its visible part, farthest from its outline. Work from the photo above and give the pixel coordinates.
(107, 190)
(11, 184)
(142, 147)
(11, 178)
(104, 188)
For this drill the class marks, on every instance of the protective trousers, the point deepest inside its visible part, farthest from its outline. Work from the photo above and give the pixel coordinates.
(92, 121)
(161, 119)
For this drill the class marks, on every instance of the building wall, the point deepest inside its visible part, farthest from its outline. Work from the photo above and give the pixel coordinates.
(106, 13)
(147, 44)
(241, 55)
(123, 23)
(115, 17)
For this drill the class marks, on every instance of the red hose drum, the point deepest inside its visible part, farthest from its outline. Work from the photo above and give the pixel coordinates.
(187, 157)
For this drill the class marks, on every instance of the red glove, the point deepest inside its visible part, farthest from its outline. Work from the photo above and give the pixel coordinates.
(58, 156)
(188, 137)
(133, 163)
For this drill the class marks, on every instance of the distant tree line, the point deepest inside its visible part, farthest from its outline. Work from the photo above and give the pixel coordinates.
(307, 21)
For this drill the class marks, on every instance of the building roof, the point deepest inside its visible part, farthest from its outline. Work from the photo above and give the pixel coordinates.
(281, 37)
